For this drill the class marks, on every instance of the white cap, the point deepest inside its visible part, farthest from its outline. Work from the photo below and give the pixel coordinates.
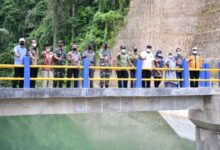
(195, 48)
(21, 39)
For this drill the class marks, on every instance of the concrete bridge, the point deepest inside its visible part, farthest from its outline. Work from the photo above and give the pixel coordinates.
(203, 104)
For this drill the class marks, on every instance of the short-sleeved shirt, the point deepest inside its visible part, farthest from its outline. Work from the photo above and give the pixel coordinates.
(123, 60)
(134, 57)
(90, 55)
(75, 58)
(107, 54)
(22, 51)
(148, 62)
(61, 54)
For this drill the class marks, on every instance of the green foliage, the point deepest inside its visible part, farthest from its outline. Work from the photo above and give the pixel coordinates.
(79, 21)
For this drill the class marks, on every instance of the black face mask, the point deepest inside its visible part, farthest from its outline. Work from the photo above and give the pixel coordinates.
(74, 49)
(22, 43)
(135, 50)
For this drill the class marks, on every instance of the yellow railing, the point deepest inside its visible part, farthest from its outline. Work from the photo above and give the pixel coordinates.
(7, 66)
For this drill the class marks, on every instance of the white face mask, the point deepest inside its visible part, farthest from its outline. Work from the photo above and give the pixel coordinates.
(179, 53)
(148, 50)
(34, 44)
(195, 52)
(170, 56)
(48, 49)
(123, 51)
(159, 55)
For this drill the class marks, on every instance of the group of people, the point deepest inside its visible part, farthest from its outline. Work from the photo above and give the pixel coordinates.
(151, 62)
(58, 56)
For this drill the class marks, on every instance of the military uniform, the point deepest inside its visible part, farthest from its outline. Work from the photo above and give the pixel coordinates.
(105, 60)
(123, 60)
(59, 72)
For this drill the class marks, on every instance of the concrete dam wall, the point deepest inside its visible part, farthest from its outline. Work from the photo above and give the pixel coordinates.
(168, 24)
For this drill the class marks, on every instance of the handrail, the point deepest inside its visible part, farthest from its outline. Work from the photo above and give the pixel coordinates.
(9, 66)
(204, 77)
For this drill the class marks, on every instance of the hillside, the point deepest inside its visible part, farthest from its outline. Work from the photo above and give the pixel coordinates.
(168, 24)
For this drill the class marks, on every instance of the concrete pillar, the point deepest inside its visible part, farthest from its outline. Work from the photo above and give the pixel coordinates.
(207, 139)
(207, 123)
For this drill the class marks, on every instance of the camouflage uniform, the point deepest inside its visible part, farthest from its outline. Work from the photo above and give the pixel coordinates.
(105, 60)
(59, 72)
(123, 60)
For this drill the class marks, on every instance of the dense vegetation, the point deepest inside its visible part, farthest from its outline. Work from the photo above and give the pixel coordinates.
(80, 21)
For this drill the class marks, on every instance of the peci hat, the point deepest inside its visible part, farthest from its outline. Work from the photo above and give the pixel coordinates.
(149, 46)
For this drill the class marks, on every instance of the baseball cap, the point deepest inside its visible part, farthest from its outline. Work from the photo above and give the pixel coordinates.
(22, 39)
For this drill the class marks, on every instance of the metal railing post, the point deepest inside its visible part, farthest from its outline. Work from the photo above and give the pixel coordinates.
(138, 74)
(185, 74)
(85, 73)
(202, 76)
(207, 75)
(26, 72)
(219, 74)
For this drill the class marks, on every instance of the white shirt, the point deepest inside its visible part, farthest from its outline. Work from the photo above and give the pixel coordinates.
(148, 62)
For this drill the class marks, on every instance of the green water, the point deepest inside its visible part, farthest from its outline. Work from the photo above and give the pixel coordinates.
(116, 131)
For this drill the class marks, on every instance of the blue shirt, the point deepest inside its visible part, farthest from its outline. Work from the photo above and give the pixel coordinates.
(22, 51)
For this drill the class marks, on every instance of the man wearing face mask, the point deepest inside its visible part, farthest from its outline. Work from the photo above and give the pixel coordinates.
(48, 58)
(90, 55)
(179, 63)
(74, 59)
(148, 60)
(19, 53)
(195, 62)
(105, 60)
(33, 53)
(134, 56)
(123, 60)
(59, 59)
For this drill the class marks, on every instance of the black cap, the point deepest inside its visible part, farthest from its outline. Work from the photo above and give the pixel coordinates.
(122, 47)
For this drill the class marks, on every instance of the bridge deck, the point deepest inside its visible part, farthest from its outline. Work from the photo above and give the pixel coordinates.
(69, 101)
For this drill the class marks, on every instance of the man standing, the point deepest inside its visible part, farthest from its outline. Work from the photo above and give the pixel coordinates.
(179, 63)
(59, 59)
(105, 60)
(33, 53)
(134, 56)
(19, 53)
(48, 58)
(123, 60)
(195, 62)
(74, 59)
(90, 55)
(148, 59)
